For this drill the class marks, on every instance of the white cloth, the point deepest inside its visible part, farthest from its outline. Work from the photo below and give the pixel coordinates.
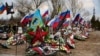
(58, 34)
(20, 30)
(51, 36)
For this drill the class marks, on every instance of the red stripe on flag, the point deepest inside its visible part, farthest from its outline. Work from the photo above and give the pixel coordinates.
(46, 13)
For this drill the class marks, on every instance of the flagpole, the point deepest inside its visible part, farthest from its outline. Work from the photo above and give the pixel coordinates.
(16, 39)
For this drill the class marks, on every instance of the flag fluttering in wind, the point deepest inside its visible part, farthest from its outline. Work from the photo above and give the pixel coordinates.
(67, 21)
(46, 17)
(62, 15)
(62, 18)
(54, 22)
(36, 20)
(46, 9)
(81, 21)
(25, 20)
(68, 15)
(9, 8)
(2, 8)
(77, 18)
(50, 23)
(45, 14)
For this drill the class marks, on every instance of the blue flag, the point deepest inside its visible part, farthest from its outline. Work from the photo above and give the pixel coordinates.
(36, 20)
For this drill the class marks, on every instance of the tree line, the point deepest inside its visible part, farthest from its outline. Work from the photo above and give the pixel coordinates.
(95, 23)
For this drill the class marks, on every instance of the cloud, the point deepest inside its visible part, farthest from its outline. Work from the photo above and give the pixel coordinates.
(88, 4)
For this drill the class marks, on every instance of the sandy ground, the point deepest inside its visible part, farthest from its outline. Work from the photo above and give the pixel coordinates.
(90, 47)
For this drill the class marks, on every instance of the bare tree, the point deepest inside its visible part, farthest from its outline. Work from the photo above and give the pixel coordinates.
(25, 6)
(76, 6)
(56, 7)
(85, 13)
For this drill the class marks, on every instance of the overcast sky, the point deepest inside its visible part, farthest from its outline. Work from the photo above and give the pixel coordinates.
(88, 4)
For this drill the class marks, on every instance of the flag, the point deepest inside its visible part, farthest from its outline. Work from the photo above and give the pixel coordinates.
(81, 21)
(9, 8)
(68, 15)
(50, 23)
(47, 20)
(76, 20)
(36, 20)
(46, 17)
(45, 14)
(66, 23)
(25, 20)
(56, 23)
(61, 16)
(2, 8)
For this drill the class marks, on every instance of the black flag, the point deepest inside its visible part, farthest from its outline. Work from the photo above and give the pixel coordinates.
(9, 8)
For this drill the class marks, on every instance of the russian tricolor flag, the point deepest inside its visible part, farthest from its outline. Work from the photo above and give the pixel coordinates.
(50, 23)
(46, 17)
(56, 23)
(81, 21)
(26, 19)
(77, 18)
(62, 15)
(2, 8)
(68, 15)
(45, 14)
(66, 23)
